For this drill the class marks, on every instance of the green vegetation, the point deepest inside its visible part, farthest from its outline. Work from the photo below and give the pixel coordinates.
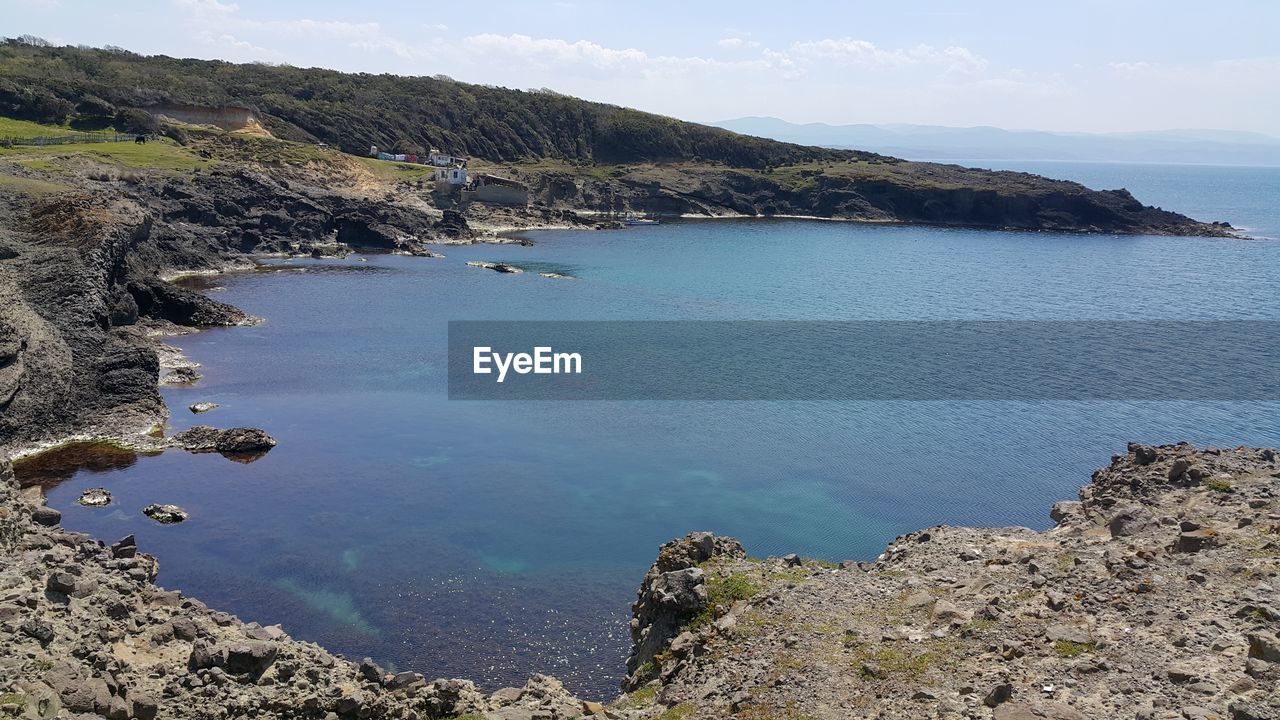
(723, 591)
(896, 659)
(160, 154)
(84, 86)
(12, 703)
(1217, 484)
(641, 698)
(1069, 649)
(679, 712)
(11, 128)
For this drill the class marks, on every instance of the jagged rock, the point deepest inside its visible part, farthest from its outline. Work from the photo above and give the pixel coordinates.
(371, 671)
(1143, 454)
(95, 497)
(673, 589)
(1264, 647)
(78, 690)
(402, 680)
(158, 299)
(249, 657)
(244, 440)
(38, 630)
(1131, 521)
(1190, 541)
(998, 695)
(165, 514)
(124, 548)
(1247, 710)
(46, 516)
(184, 375)
(241, 440)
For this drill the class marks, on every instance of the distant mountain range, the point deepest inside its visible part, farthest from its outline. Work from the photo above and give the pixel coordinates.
(936, 142)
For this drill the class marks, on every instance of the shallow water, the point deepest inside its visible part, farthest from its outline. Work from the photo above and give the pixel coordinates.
(491, 540)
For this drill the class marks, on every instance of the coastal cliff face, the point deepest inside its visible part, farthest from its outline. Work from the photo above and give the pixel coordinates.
(83, 304)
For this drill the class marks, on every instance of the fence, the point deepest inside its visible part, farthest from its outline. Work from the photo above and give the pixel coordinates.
(74, 138)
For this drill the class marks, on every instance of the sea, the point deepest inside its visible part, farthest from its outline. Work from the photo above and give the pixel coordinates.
(491, 540)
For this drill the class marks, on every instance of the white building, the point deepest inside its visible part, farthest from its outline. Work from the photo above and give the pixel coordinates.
(451, 175)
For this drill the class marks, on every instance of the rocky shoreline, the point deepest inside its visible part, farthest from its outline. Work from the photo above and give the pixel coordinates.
(1153, 596)
(1169, 545)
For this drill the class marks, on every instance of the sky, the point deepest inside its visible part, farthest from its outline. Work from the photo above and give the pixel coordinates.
(1120, 65)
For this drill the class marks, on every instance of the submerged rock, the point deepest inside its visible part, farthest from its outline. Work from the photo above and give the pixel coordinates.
(165, 514)
(495, 266)
(95, 497)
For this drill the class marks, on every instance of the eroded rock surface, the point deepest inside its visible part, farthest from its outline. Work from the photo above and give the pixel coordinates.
(1156, 595)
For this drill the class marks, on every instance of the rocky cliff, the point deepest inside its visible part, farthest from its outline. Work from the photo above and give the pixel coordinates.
(1156, 595)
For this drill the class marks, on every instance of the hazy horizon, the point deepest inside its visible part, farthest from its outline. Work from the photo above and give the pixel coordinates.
(1093, 67)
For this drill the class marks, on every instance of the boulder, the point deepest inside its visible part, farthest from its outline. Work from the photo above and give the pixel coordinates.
(1131, 521)
(249, 657)
(165, 514)
(46, 516)
(1192, 541)
(1264, 646)
(244, 440)
(233, 441)
(125, 547)
(77, 689)
(95, 497)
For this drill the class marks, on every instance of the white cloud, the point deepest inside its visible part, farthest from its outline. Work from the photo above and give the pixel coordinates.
(865, 53)
(222, 23)
(238, 49)
(207, 7)
(736, 43)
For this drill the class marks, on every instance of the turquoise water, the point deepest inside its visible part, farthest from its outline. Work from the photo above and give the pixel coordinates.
(493, 540)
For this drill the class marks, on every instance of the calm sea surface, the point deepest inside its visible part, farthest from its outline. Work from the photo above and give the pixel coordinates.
(492, 540)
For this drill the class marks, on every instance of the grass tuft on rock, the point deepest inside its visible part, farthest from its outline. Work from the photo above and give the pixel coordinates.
(1068, 649)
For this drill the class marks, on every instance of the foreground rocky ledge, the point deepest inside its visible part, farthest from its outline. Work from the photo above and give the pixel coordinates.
(1155, 596)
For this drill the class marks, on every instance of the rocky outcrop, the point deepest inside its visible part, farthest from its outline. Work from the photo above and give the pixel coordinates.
(203, 438)
(674, 591)
(71, 358)
(1153, 596)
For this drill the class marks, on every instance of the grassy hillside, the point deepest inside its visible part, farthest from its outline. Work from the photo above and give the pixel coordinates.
(90, 87)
